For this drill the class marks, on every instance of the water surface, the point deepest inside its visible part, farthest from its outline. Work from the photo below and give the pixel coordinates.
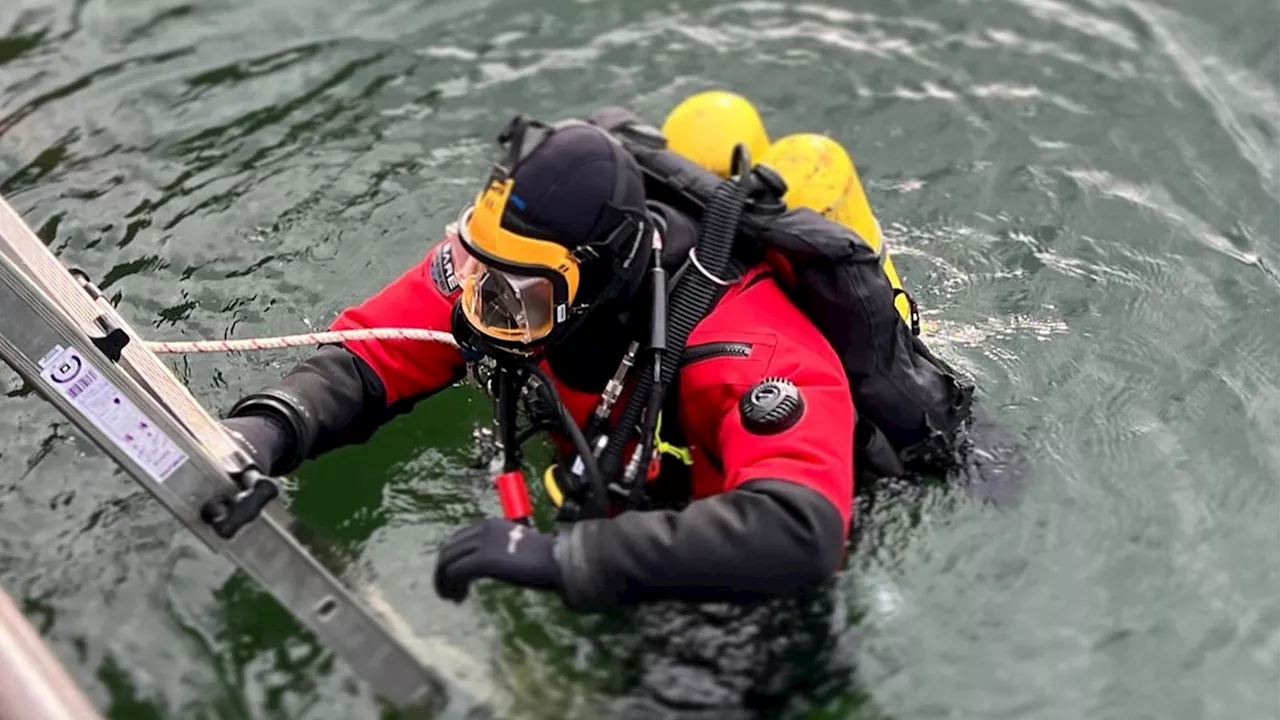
(1081, 193)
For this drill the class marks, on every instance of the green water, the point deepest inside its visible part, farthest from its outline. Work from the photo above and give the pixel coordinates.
(1082, 194)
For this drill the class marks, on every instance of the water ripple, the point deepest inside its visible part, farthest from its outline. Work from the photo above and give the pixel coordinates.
(1228, 89)
(68, 88)
(1158, 200)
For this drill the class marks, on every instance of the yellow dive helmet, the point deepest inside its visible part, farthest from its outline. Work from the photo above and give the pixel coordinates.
(559, 226)
(821, 176)
(706, 126)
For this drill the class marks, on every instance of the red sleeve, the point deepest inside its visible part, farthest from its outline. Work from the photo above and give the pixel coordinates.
(413, 300)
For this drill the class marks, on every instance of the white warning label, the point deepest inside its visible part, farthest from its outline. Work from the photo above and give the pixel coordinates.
(98, 400)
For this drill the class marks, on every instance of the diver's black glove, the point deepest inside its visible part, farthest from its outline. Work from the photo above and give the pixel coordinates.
(264, 437)
(498, 549)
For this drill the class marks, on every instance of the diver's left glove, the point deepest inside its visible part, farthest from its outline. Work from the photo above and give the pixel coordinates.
(497, 549)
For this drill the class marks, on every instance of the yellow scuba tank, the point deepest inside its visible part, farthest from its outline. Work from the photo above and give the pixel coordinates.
(821, 176)
(706, 126)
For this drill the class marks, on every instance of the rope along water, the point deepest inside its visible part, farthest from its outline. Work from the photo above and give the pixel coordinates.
(303, 340)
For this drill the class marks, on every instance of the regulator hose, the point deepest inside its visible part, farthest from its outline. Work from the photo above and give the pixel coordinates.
(690, 302)
(597, 502)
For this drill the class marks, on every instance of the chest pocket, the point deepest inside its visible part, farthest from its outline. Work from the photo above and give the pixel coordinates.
(712, 375)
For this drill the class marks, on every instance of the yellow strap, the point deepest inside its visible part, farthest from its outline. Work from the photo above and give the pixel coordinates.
(552, 487)
(680, 453)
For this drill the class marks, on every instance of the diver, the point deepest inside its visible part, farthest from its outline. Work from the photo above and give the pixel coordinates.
(552, 260)
(711, 363)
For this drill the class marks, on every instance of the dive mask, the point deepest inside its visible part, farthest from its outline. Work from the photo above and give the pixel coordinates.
(515, 289)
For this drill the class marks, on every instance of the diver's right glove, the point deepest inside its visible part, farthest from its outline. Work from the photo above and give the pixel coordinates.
(498, 549)
(264, 437)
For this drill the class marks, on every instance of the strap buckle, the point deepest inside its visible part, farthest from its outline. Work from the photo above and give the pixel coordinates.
(914, 309)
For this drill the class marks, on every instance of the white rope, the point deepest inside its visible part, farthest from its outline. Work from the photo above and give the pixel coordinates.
(303, 340)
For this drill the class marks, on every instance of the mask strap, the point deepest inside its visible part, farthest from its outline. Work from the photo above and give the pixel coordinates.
(520, 137)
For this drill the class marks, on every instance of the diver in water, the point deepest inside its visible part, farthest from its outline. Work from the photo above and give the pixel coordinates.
(697, 369)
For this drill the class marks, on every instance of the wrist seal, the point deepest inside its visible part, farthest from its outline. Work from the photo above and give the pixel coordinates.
(292, 414)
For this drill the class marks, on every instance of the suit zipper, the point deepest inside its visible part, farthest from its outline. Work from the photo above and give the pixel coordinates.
(707, 351)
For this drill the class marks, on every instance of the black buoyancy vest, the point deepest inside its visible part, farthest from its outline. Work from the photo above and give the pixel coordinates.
(909, 403)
